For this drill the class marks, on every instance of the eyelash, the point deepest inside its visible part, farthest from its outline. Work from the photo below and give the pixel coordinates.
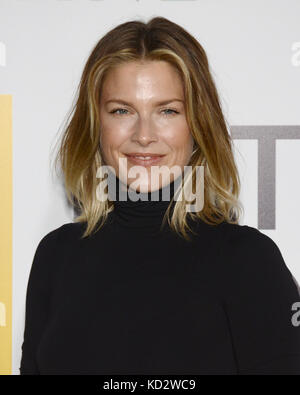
(123, 109)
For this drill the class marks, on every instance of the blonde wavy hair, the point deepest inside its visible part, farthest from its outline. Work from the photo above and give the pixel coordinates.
(79, 152)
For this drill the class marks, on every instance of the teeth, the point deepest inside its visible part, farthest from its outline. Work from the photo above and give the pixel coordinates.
(143, 157)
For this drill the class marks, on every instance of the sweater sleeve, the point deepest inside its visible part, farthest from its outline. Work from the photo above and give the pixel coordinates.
(37, 301)
(259, 296)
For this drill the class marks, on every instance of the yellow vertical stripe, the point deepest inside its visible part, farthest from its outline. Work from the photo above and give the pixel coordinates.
(6, 234)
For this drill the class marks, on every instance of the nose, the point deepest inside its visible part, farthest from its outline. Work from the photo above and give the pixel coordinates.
(145, 132)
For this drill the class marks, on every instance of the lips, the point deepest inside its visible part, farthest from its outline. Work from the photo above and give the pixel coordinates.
(144, 159)
(144, 155)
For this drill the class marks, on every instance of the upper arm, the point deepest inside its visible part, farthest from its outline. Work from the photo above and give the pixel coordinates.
(259, 295)
(37, 300)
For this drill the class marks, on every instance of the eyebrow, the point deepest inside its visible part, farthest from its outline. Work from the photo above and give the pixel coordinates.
(160, 103)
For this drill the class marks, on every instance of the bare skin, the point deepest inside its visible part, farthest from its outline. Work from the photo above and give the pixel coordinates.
(142, 125)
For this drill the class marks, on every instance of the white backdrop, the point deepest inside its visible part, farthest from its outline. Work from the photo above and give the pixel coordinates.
(254, 51)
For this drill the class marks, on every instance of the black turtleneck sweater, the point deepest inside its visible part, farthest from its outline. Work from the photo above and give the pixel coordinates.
(132, 300)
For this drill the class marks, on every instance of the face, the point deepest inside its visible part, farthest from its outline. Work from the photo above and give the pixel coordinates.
(134, 121)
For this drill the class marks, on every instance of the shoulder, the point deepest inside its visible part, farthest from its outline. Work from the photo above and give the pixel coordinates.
(48, 257)
(244, 239)
(52, 247)
(247, 251)
(250, 256)
(61, 236)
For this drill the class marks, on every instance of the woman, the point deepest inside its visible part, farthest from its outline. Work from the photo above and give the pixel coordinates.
(148, 287)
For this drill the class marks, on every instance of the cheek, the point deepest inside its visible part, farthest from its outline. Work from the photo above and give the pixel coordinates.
(108, 144)
(182, 141)
(112, 138)
(110, 132)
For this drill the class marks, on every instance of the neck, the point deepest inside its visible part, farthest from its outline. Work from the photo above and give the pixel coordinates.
(145, 213)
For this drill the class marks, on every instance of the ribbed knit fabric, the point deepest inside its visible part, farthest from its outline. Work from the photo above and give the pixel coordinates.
(128, 300)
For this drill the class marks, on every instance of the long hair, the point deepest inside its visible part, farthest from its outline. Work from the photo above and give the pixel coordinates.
(80, 152)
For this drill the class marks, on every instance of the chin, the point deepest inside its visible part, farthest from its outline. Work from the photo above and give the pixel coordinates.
(145, 187)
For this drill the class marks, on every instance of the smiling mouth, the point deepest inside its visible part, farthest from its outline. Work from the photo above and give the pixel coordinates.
(145, 155)
(144, 160)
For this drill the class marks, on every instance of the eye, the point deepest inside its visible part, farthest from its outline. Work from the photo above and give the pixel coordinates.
(173, 112)
(170, 109)
(117, 109)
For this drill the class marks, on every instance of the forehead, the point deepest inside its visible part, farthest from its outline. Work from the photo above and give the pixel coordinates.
(151, 79)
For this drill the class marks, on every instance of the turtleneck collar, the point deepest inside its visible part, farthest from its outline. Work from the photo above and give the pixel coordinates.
(145, 213)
